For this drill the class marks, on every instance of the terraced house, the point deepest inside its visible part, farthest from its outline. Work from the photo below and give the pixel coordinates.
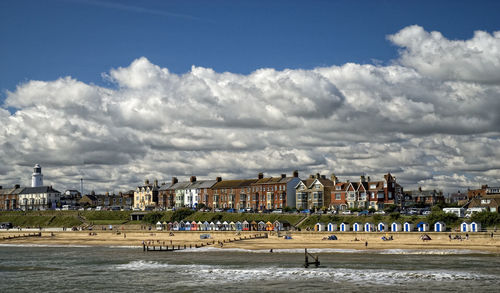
(146, 196)
(228, 194)
(314, 192)
(271, 192)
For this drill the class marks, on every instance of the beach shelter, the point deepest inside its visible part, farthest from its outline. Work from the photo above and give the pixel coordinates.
(218, 226)
(232, 226)
(187, 226)
(254, 226)
(475, 227)
(245, 226)
(176, 226)
(382, 227)
(369, 227)
(225, 226)
(277, 225)
(261, 226)
(269, 226)
(423, 227)
(331, 227)
(356, 227)
(319, 227)
(213, 226)
(439, 227)
(407, 227)
(239, 226)
(396, 227)
(344, 227)
(194, 226)
(464, 227)
(159, 226)
(199, 224)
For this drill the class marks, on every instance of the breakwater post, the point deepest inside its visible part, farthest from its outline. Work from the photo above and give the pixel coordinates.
(315, 261)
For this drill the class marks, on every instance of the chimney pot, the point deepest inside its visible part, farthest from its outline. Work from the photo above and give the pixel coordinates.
(174, 180)
(323, 176)
(192, 179)
(146, 182)
(283, 176)
(261, 175)
(296, 173)
(218, 179)
(17, 186)
(317, 175)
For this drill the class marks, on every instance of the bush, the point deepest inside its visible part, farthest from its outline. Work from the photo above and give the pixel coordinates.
(181, 214)
(390, 208)
(487, 219)
(447, 218)
(394, 216)
(152, 218)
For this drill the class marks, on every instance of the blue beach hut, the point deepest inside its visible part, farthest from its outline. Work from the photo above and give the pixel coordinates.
(464, 227)
(396, 227)
(382, 227)
(475, 227)
(369, 227)
(439, 227)
(408, 227)
(344, 227)
(331, 227)
(423, 227)
(239, 226)
(356, 227)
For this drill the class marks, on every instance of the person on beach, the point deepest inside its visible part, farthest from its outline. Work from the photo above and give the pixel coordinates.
(366, 243)
(271, 250)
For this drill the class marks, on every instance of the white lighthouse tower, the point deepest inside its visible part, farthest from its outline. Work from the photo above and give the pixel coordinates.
(37, 177)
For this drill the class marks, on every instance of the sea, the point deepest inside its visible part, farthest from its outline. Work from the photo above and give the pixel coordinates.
(52, 268)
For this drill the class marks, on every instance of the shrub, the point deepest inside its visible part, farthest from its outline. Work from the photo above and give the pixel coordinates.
(181, 214)
(447, 218)
(486, 219)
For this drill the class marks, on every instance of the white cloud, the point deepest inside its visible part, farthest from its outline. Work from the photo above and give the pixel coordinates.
(428, 120)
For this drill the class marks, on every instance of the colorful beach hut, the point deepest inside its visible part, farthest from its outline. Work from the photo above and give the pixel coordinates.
(245, 226)
(396, 227)
(331, 227)
(464, 227)
(319, 227)
(205, 226)
(356, 227)
(439, 227)
(254, 226)
(175, 226)
(344, 227)
(199, 224)
(382, 227)
(239, 226)
(269, 226)
(475, 227)
(369, 227)
(277, 226)
(194, 226)
(187, 226)
(261, 226)
(169, 226)
(232, 226)
(423, 227)
(408, 227)
(218, 226)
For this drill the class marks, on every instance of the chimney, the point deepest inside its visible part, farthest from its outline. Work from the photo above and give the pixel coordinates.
(0, 186)
(420, 188)
(283, 176)
(311, 176)
(362, 178)
(192, 179)
(261, 175)
(146, 182)
(369, 179)
(218, 179)
(156, 182)
(296, 173)
(334, 178)
(174, 180)
(17, 186)
(323, 176)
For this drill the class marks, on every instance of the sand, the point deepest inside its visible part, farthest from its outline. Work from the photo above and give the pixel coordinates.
(300, 240)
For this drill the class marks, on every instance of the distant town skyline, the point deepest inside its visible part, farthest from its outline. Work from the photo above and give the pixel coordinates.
(117, 92)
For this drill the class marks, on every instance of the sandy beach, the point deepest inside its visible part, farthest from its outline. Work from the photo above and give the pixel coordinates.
(300, 240)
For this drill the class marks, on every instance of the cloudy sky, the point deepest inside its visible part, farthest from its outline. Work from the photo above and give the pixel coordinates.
(117, 92)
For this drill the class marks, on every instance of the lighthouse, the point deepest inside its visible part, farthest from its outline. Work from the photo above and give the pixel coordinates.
(37, 177)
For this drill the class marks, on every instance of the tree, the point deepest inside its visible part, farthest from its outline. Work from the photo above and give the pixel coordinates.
(181, 214)
(153, 218)
(486, 218)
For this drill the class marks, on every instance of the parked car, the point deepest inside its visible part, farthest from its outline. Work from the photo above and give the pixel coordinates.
(333, 212)
(218, 210)
(380, 213)
(348, 212)
(277, 211)
(363, 213)
(306, 211)
(426, 213)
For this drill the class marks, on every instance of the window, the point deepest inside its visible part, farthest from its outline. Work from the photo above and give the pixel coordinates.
(338, 187)
(338, 196)
(317, 186)
(373, 186)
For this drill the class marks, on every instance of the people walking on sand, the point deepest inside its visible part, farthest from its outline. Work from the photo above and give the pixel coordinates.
(366, 243)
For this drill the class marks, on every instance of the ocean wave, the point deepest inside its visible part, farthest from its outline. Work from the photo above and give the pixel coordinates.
(44, 245)
(222, 274)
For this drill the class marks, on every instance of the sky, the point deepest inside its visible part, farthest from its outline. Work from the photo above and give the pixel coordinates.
(118, 92)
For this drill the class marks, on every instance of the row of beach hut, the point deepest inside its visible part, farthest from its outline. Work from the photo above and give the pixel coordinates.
(223, 226)
(394, 227)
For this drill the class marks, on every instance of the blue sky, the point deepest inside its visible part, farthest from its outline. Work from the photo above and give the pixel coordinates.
(44, 40)
(129, 90)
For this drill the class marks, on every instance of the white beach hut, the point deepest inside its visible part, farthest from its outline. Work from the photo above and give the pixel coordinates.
(464, 227)
(245, 225)
(344, 227)
(213, 226)
(408, 227)
(261, 226)
(396, 227)
(200, 226)
(369, 227)
(175, 226)
(187, 226)
(423, 227)
(475, 227)
(356, 227)
(159, 226)
(382, 227)
(218, 226)
(331, 227)
(439, 227)
(225, 226)
(319, 227)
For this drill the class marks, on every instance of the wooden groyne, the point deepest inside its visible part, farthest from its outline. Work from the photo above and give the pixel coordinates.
(39, 234)
(160, 246)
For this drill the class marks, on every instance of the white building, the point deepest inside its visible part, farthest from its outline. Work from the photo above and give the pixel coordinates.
(37, 177)
(39, 198)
